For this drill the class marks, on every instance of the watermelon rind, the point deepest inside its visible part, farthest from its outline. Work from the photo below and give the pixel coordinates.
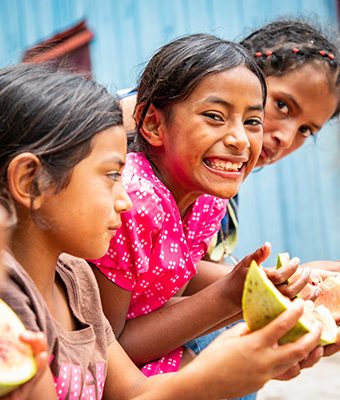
(262, 302)
(17, 363)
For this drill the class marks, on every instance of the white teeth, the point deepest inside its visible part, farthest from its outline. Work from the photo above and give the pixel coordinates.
(224, 165)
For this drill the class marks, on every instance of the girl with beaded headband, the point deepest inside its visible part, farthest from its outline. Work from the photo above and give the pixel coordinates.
(288, 52)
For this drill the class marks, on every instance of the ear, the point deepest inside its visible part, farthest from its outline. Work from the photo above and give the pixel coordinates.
(151, 128)
(21, 176)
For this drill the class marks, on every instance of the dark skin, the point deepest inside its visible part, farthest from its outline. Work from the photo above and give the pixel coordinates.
(168, 321)
(218, 121)
(124, 380)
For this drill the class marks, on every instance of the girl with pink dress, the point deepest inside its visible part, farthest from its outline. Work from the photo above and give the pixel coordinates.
(199, 120)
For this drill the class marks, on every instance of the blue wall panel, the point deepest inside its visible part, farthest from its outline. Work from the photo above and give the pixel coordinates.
(293, 204)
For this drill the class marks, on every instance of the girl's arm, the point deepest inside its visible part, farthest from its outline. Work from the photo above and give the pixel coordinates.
(41, 389)
(235, 364)
(151, 336)
(210, 272)
(328, 265)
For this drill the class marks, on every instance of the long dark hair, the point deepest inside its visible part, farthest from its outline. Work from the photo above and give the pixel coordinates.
(53, 114)
(177, 68)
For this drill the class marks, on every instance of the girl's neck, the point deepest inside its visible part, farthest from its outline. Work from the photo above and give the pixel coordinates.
(36, 257)
(183, 198)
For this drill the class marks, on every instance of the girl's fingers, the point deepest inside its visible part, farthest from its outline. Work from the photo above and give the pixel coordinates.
(313, 358)
(38, 343)
(280, 276)
(262, 253)
(36, 340)
(259, 255)
(301, 284)
(290, 373)
(42, 360)
(298, 351)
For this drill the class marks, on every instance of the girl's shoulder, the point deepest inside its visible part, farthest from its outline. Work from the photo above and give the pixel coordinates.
(77, 274)
(143, 186)
(22, 295)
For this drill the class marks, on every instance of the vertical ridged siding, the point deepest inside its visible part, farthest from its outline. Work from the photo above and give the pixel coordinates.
(294, 204)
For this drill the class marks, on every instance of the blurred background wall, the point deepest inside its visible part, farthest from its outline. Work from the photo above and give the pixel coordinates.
(294, 204)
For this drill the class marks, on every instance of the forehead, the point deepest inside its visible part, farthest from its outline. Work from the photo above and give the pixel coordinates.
(110, 140)
(312, 78)
(231, 83)
(311, 88)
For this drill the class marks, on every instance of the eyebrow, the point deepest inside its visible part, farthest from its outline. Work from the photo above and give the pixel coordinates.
(115, 159)
(297, 105)
(218, 100)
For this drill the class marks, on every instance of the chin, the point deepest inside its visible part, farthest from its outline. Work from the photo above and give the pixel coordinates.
(226, 194)
(92, 253)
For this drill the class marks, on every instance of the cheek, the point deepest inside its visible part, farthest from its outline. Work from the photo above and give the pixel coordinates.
(2, 273)
(256, 141)
(297, 143)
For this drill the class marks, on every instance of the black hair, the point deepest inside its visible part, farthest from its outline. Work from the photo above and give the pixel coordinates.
(286, 45)
(179, 66)
(54, 115)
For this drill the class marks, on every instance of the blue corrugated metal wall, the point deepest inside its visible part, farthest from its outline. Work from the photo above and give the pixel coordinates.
(292, 204)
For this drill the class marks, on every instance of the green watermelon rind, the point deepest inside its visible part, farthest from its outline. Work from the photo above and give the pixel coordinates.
(262, 302)
(282, 260)
(29, 365)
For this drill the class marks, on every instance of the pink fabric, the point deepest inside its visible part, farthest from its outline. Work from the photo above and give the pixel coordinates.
(154, 253)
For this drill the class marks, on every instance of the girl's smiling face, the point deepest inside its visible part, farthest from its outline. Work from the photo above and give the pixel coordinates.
(299, 103)
(211, 141)
(83, 217)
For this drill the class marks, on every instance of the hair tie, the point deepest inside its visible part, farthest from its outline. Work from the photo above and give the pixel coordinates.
(269, 53)
(295, 50)
(258, 54)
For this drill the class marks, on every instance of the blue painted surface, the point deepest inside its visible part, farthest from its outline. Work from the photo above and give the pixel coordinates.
(293, 204)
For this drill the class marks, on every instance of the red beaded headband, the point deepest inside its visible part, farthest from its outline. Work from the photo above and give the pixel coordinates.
(295, 50)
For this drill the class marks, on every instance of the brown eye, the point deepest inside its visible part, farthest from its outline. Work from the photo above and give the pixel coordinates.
(114, 176)
(213, 116)
(253, 122)
(305, 131)
(283, 107)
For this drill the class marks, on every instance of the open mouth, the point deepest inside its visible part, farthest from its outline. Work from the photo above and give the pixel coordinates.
(222, 165)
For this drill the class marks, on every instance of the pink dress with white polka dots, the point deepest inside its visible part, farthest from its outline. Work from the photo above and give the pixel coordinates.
(154, 253)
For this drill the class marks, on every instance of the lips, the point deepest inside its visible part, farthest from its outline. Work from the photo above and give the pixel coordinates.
(113, 229)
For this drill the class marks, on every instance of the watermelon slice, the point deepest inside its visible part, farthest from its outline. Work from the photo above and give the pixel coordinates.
(262, 302)
(17, 363)
(330, 295)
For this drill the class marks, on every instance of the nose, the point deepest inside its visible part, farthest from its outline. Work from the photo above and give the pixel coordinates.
(285, 135)
(236, 136)
(122, 202)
